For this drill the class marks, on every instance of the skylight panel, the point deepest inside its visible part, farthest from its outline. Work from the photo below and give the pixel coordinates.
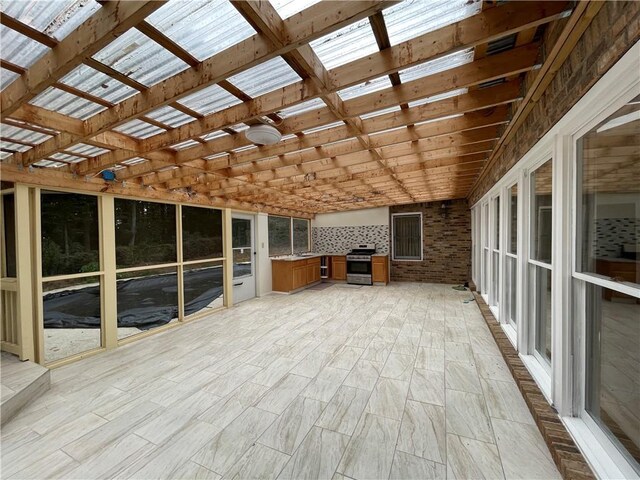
(6, 77)
(345, 45)
(66, 104)
(98, 84)
(412, 18)
(301, 108)
(209, 100)
(139, 129)
(266, 77)
(23, 135)
(440, 96)
(438, 65)
(288, 8)
(371, 86)
(204, 27)
(170, 116)
(19, 49)
(56, 19)
(137, 56)
(84, 149)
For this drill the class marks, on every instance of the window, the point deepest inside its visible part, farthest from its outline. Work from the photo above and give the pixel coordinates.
(511, 257)
(300, 235)
(8, 235)
(288, 235)
(407, 236)
(242, 247)
(608, 266)
(494, 296)
(540, 262)
(201, 233)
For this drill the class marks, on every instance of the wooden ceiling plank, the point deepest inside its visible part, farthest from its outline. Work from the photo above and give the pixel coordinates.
(95, 33)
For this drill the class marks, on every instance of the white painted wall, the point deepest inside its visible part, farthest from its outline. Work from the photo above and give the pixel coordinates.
(263, 263)
(353, 218)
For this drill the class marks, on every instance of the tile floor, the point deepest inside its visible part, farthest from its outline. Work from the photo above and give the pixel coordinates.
(399, 382)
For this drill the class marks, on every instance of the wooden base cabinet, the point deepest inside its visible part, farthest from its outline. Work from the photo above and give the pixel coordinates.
(288, 276)
(339, 268)
(380, 269)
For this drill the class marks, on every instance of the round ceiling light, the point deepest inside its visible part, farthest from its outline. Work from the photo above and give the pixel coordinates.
(263, 134)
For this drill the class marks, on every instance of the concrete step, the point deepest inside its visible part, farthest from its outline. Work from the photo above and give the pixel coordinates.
(20, 384)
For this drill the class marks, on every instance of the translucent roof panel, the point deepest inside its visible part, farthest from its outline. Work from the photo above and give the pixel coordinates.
(381, 112)
(133, 161)
(203, 27)
(302, 107)
(14, 147)
(212, 135)
(441, 96)
(6, 77)
(19, 49)
(66, 103)
(139, 129)
(56, 19)
(266, 77)
(323, 127)
(170, 116)
(84, 149)
(15, 133)
(413, 18)
(209, 100)
(364, 88)
(98, 84)
(48, 164)
(288, 8)
(438, 65)
(345, 45)
(137, 56)
(65, 157)
(185, 144)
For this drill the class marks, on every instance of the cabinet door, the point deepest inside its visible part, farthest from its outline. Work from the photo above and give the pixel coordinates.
(299, 277)
(379, 272)
(339, 270)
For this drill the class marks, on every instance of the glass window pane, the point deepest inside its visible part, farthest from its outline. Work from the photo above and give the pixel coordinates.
(609, 189)
(242, 265)
(201, 233)
(513, 220)
(9, 235)
(541, 298)
(300, 235)
(511, 287)
(613, 366)
(146, 299)
(496, 216)
(407, 241)
(542, 214)
(72, 316)
(495, 279)
(202, 287)
(242, 247)
(145, 233)
(241, 232)
(70, 241)
(279, 236)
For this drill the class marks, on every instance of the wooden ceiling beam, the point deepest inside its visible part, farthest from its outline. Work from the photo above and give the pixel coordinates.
(95, 33)
(28, 31)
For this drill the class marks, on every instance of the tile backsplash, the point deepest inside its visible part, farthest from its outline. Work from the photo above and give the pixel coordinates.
(612, 233)
(342, 239)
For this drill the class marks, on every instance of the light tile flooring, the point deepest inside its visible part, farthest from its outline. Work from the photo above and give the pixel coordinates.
(400, 382)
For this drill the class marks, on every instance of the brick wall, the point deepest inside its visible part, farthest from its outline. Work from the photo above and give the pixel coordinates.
(447, 244)
(612, 32)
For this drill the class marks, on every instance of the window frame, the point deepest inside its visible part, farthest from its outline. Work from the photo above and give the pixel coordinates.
(393, 236)
(291, 244)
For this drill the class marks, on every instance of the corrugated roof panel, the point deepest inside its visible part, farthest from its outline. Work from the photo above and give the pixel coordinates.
(185, 144)
(65, 157)
(23, 134)
(288, 8)
(412, 18)
(6, 77)
(66, 103)
(54, 18)
(84, 149)
(139, 129)
(98, 84)
(170, 116)
(48, 164)
(239, 127)
(364, 88)
(245, 148)
(4, 155)
(438, 65)
(212, 135)
(14, 147)
(133, 161)
(288, 136)
(137, 56)
(301, 107)
(441, 96)
(266, 77)
(204, 27)
(395, 108)
(455, 115)
(209, 100)
(345, 45)
(19, 49)
(323, 127)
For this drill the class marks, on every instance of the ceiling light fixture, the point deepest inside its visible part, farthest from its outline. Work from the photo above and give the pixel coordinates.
(263, 134)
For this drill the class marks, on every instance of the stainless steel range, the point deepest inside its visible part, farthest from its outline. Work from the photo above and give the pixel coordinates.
(359, 264)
